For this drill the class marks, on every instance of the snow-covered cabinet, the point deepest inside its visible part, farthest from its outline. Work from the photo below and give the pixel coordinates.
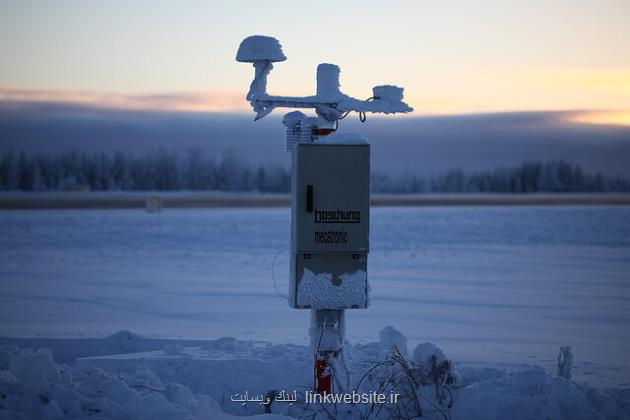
(330, 223)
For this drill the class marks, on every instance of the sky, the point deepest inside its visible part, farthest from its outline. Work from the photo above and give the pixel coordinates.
(491, 82)
(451, 57)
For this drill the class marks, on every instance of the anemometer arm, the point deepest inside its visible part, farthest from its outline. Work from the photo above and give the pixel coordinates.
(329, 102)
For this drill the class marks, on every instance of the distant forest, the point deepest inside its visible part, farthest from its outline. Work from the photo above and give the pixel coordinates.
(165, 171)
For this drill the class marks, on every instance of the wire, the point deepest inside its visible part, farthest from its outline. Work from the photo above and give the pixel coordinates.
(323, 329)
(344, 115)
(362, 116)
(273, 275)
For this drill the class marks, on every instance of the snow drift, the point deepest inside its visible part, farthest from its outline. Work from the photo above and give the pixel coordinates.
(180, 382)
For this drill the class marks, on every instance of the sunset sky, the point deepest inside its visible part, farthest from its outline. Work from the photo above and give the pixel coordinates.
(451, 57)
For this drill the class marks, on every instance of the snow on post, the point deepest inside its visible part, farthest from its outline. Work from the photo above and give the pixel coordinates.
(325, 291)
(328, 82)
(565, 362)
(390, 336)
(342, 138)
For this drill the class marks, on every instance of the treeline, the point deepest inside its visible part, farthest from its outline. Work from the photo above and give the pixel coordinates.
(528, 177)
(194, 171)
(161, 171)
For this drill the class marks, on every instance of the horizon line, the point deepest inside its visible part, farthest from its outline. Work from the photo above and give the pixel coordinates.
(234, 103)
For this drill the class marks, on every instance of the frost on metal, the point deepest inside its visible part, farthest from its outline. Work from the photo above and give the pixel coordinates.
(261, 51)
(260, 47)
(324, 291)
(329, 102)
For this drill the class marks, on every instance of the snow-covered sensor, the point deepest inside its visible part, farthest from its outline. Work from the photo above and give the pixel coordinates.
(329, 102)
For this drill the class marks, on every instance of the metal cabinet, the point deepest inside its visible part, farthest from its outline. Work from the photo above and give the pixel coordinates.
(330, 220)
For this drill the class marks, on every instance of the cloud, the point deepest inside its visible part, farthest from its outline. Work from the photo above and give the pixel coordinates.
(415, 145)
(611, 81)
(189, 102)
(481, 89)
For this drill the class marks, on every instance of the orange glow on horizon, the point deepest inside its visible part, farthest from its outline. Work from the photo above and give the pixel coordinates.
(602, 117)
(187, 102)
(230, 102)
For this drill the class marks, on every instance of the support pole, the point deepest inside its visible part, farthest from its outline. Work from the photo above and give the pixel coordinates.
(323, 374)
(326, 338)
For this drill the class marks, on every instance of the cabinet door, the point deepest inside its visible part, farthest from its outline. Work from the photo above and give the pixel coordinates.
(331, 198)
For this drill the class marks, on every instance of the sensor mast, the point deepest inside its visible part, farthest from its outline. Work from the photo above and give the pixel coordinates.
(330, 186)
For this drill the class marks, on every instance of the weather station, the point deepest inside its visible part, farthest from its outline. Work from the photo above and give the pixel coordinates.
(330, 197)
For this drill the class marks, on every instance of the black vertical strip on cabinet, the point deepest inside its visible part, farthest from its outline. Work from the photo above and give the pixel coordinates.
(309, 198)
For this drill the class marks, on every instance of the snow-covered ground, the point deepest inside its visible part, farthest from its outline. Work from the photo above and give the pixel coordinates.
(225, 377)
(494, 287)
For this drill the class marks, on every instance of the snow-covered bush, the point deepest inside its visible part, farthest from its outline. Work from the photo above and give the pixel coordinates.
(431, 365)
(422, 382)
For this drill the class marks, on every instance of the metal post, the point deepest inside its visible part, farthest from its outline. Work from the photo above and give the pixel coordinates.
(327, 334)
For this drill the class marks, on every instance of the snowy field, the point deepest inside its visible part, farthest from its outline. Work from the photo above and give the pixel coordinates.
(491, 286)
